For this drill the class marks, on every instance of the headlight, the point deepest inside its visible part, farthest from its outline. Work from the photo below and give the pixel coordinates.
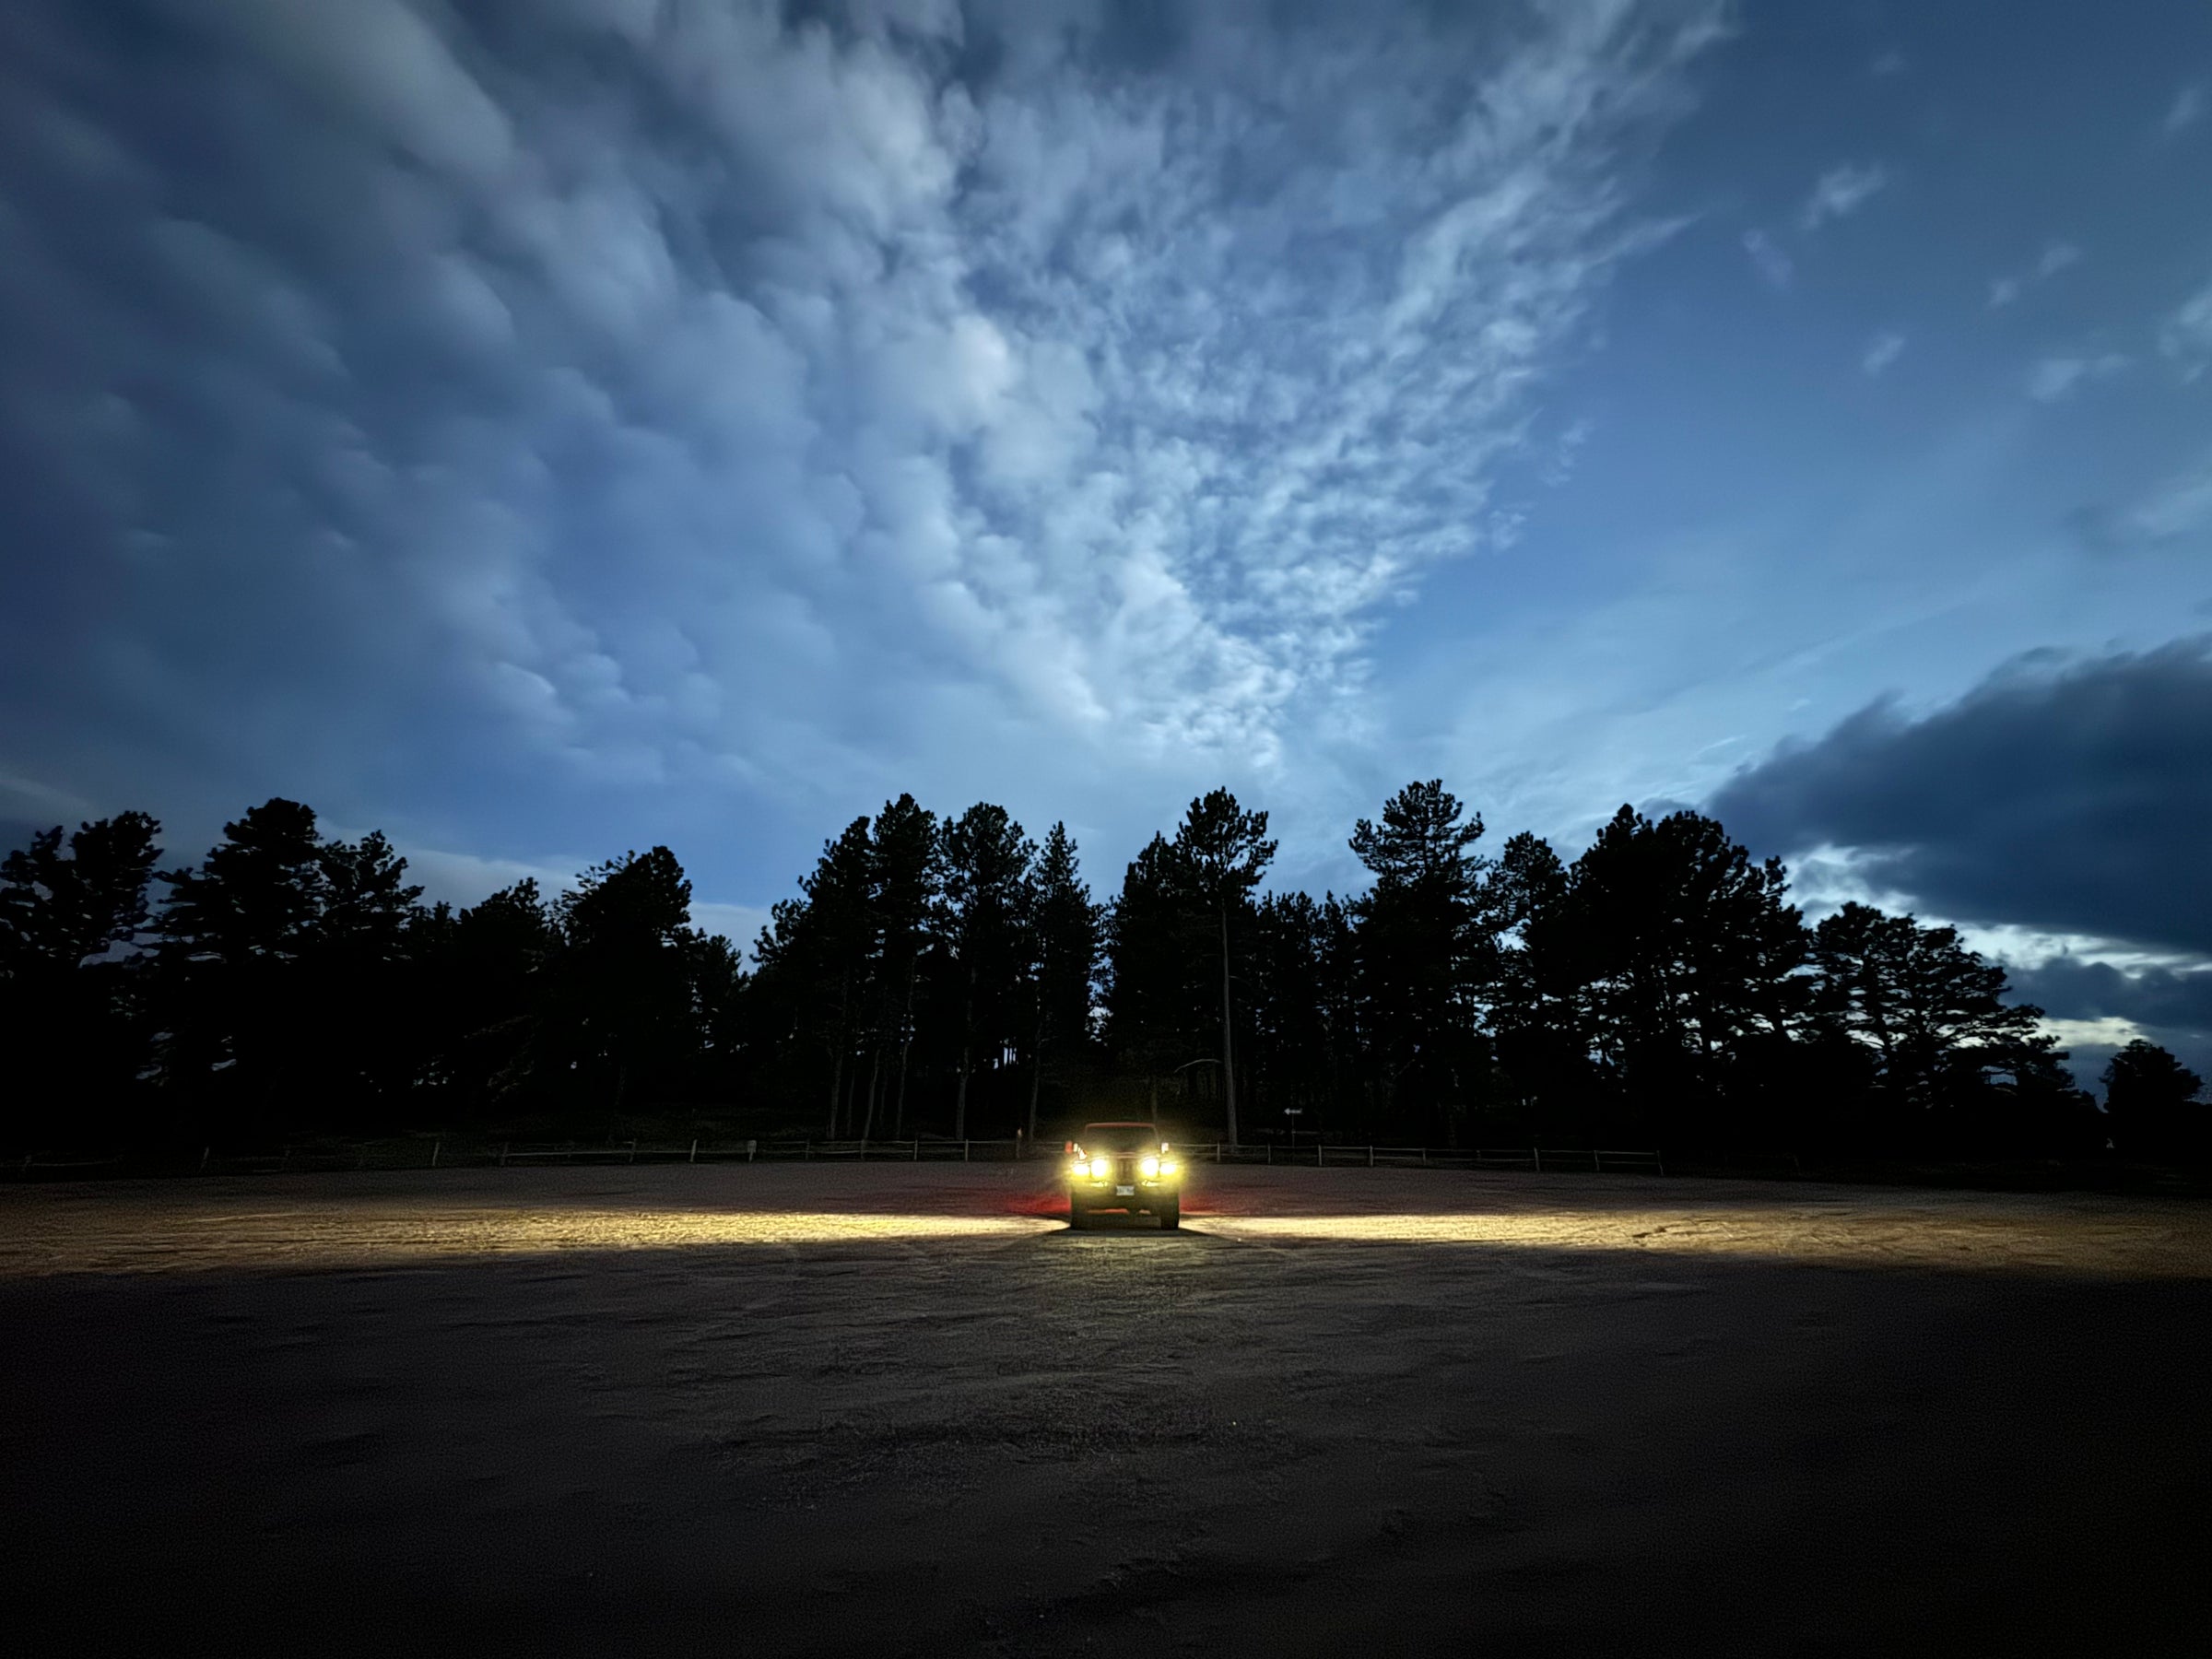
(1147, 1166)
(1100, 1168)
(1168, 1166)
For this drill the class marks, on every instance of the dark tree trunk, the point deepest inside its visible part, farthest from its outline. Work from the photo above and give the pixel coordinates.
(1229, 1058)
(959, 1110)
(868, 1124)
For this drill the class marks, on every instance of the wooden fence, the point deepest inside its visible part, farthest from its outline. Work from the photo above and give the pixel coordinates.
(435, 1152)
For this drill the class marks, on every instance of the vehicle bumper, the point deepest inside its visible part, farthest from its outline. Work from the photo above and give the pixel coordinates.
(1124, 1195)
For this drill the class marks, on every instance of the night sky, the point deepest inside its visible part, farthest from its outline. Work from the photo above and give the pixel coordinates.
(542, 427)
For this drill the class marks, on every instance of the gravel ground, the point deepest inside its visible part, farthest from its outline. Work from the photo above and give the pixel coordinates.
(894, 1409)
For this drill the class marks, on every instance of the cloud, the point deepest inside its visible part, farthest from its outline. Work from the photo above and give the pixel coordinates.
(2177, 509)
(1881, 351)
(1768, 259)
(2095, 1007)
(2186, 110)
(1839, 192)
(2171, 1000)
(2055, 257)
(2069, 796)
(1888, 63)
(381, 63)
(2187, 338)
(648, 401)
(1566, 450)
(2052, 378)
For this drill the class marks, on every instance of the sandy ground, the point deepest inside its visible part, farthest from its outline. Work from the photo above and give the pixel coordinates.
(893, 1408)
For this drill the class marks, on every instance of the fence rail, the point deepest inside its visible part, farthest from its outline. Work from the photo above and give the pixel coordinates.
(434, 1152)
(1326, 1154)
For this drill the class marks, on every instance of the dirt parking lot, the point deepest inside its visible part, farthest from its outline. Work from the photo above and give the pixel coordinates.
(798, 1410)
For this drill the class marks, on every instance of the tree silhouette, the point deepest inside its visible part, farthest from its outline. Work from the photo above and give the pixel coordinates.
(987, 861)
(2155, 1104)
(1221, 850)
(1934, 1012)
(1157, 997)
(357, 967)
(623, 975)
(905, 881)
(70, 986)
(1660, 988)
(488, 970)
(1682, 949)
(237, 1043)
(816, 955)
(1427, 952)
(1063, 959)
(1542, 1015)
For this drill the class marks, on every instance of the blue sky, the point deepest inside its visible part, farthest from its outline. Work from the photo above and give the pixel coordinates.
(540, 428)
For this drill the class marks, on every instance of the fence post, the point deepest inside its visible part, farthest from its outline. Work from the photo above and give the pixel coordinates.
(436, 1150)
(1537, 1153)
(505, 1148)
(204, 1153)
(1371, 1158)
(749, 1147)
(694, 1157)
(964, 1152)
(633, 1151)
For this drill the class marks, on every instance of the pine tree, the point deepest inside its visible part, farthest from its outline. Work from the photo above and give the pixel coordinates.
(986, 860)
(1426, 951)
(1220, 852)
(1064, 960)
(2155, 1104)
(905, 883)
(71, 981)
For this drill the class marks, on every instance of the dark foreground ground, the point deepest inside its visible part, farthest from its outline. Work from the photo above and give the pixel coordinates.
(880, 1409)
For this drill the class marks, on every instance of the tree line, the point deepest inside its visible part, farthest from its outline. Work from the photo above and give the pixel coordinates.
(953, 975)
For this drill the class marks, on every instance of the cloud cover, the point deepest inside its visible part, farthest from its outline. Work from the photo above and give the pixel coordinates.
(791, 404)
(2070, 796)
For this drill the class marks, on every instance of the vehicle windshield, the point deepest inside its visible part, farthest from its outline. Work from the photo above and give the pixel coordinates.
(1119, 1137)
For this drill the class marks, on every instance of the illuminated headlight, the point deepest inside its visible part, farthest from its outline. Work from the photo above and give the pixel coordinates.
(1100, 1168)
(1168, 1166)
(1147, 1166)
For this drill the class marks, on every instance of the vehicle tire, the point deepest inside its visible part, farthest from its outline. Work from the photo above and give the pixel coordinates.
(1077, 1217)
(1171, 1215)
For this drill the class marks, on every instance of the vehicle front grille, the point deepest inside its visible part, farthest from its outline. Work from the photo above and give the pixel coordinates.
(1125, 1170)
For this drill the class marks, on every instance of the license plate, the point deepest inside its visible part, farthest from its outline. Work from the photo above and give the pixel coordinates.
(1127, 1192)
